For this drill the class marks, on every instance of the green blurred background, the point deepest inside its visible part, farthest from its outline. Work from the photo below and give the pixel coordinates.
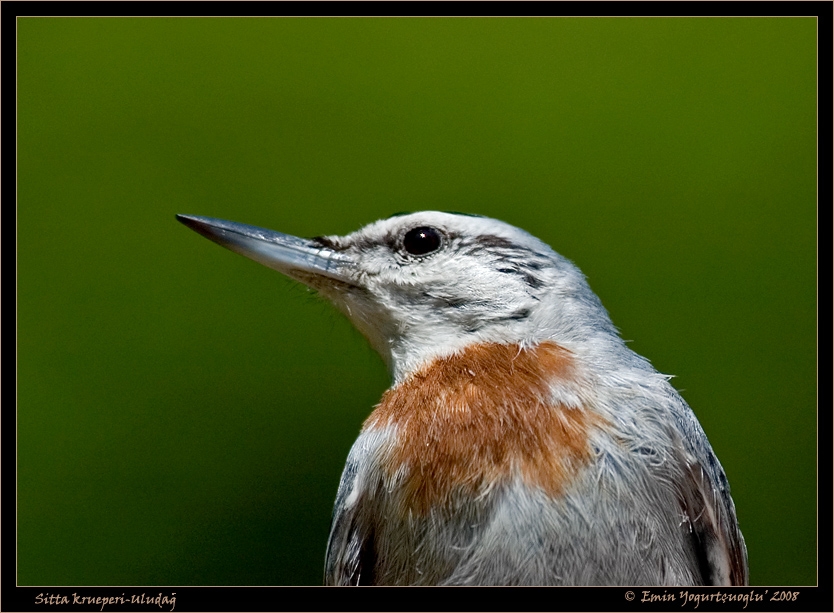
(184, 413)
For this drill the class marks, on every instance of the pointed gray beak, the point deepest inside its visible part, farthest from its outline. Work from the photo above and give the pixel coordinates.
(303, 260)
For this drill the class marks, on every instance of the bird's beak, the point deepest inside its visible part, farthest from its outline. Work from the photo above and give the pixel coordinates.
(303, 260)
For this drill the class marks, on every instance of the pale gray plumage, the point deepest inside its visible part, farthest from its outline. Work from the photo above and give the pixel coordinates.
(653, 506)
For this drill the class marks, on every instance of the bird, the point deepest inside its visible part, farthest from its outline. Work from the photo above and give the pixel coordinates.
(521, 441)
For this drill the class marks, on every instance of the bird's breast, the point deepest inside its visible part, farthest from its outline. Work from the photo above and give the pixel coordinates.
(472, 420)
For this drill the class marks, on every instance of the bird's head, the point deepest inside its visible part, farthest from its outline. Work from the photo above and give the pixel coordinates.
(423, 285)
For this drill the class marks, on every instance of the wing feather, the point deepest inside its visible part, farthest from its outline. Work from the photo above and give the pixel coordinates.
(351, 558)
(710, 515)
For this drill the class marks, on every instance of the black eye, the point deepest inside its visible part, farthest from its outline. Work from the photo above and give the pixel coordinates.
(421, 241)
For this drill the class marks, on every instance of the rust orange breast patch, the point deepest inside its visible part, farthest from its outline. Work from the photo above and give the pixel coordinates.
(470, 420)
